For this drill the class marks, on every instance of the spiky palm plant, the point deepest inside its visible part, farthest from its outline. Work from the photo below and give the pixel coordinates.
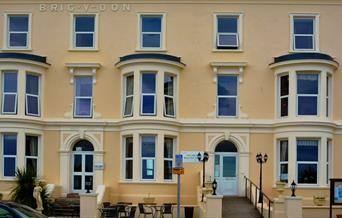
(22, 192)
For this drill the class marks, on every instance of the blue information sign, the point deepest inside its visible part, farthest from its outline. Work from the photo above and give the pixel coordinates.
(179, 161)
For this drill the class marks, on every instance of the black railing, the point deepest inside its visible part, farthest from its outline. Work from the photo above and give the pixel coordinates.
(252, 191)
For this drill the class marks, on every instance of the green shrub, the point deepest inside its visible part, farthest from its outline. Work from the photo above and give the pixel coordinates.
(22, 192)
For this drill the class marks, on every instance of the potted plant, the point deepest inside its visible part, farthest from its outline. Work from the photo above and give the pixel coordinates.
(319, 200)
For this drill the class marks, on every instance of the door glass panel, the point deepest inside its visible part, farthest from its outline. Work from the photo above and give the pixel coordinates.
(229, 167)
(77, 182)
(77, 163)
(217, 166)
(88, 182)
(89, 163)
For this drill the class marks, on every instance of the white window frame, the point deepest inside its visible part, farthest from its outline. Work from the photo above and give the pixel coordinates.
(329, 160)
(83, 97)
(309, 162)
(148, 94)
(74, 33)
(32, 95)
(125, 159)
(9, 93)
(328, 98)
(8, 156)
(170, 96)
(128, 96)
(239, 16)
(280, 97)
(315, 35)
(279, 162)
(162, 43)
(169, 159)
(33, 157)
(309, 95)
(228, 96)
(7, 32)
(148, 158)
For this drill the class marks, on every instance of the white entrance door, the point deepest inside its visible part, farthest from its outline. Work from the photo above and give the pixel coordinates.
(226, 173)
(83, 171)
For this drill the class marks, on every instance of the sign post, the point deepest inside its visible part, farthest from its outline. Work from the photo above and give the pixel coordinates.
(179, 170)
(335, 194)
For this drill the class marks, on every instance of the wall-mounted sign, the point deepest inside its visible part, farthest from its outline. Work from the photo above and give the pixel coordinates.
(98, 166)
(191, 156)
(84, 8)
(335, 193)
(179, 161)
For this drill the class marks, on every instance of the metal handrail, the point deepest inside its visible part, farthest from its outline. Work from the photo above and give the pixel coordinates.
(255, 203)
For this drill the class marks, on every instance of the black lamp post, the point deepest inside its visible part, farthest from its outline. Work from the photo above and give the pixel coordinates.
(261, 159)
(214, 184)
(204, 159)
(293, 188)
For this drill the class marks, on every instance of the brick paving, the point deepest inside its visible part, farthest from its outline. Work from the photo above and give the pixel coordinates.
(238, 207)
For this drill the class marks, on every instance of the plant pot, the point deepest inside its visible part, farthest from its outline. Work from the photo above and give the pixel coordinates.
(319, 200)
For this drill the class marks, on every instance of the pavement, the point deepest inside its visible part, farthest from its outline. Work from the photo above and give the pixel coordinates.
(238, 207)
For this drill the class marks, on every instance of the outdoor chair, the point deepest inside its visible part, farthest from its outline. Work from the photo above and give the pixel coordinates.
(131, 213)
(142, 210)
(111, 211)
(166, 209)
(105, 204)
(122, 208)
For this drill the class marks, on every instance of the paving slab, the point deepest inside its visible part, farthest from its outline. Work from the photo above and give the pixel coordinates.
(238, 207)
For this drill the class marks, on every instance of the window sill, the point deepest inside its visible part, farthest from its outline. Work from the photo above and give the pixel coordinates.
(227, 50)
(151, 50)
(16, 49)
(83, 49)
(9, 179)
(303, 51)
(148, 182)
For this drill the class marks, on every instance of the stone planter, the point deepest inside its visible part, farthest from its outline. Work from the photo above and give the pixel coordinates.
(280, 187)
(319, 200)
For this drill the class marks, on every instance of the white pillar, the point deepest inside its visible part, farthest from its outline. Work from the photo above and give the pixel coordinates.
(136, 157)
(88, 205)
(98, 173)
(293, 207)
(21, 92)
(64, 170)
(292, 158)
(322, 160)
(243, 163)
(160, 93)
(159, 169)
(136, 92)
(292, 94)
(322, 95)
(21, 149)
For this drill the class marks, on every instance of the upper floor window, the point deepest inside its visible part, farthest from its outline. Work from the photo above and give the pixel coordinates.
(31, 153)
(227, 32)
(151, 31)
(129, 93)
(284, 95)
(83, 96)
(148, 94)
(169, 96)
(307, 94)
(283, 155)
(148, 156)
(128, 156)
(304, 33)
(168, 157)
(9, 92)
(307, 161)
(18, 31)
(32, 97)
(84, 35)
(9, 154)
(227, 93)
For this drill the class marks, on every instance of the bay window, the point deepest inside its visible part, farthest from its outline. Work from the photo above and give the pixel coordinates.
(31, 153)
(128, 98)
(168, 158)
(32, 98)
(128, 156)
(307, 94)
(9, 154)
(284, 95)
(307, 161)
(227, 95)
(9, 92)
(283, 153)
(169, 96)
(148, 156)
(83, 96)
(148, 94)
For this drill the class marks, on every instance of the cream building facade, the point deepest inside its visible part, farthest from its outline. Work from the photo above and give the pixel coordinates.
(108, 92)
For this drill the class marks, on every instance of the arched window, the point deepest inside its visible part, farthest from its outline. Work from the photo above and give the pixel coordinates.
(226, 146)
(83, 145)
